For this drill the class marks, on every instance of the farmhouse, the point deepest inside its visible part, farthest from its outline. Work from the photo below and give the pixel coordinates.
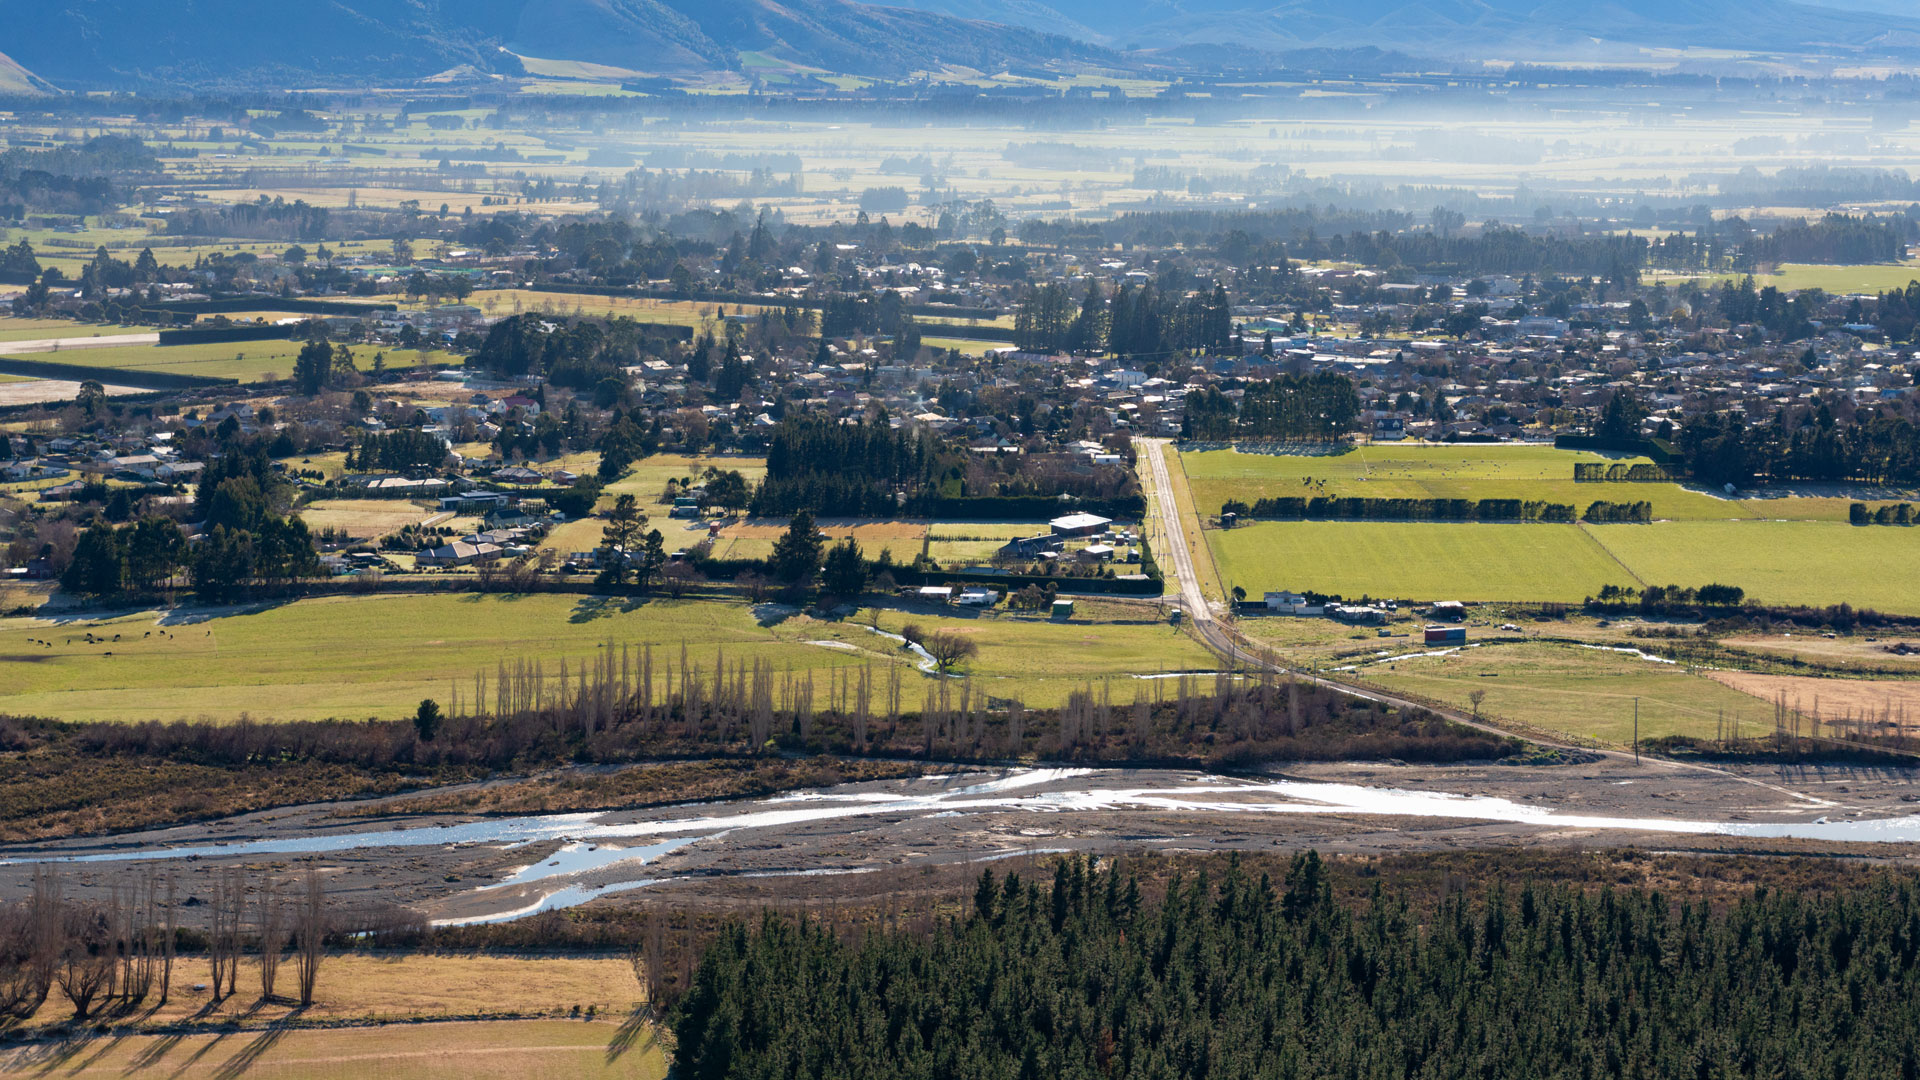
(459, 553)
(1357, 615)
(472, 502)
(1029, 547)
(1292, 603)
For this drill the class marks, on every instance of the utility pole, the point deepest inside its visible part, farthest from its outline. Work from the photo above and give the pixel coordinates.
(1636, 731)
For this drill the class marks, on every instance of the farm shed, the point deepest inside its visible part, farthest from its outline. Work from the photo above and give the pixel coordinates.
(1080, 525)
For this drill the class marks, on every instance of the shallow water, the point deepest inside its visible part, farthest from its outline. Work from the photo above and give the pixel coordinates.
(594, 839)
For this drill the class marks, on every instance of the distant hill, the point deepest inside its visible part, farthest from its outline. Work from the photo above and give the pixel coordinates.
(15, 79)
(1506, 29)
(85, 44)
(91, 44)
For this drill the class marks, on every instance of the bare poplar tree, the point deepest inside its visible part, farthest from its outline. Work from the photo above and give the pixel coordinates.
(167, 941)
(311, 928)
(270, 922)
(223, 937)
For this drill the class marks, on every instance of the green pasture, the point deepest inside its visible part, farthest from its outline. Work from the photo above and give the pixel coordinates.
(1510, 471)
(963, 346)
(354, 657)
(245, 361)
(42, 329)
(1776, 562)
(1434, 472)
(1417, 560)
(1579, 691)
(1869, 278)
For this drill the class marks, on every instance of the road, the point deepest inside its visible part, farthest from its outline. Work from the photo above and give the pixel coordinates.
(1175, 531)
(1220, 639)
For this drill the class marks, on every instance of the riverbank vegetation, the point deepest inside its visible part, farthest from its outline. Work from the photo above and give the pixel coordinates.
(63, 779)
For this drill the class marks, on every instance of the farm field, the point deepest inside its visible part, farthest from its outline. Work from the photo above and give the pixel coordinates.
(1442, 472)
(1842, 651)
(372, 987)
(504, 302)
(1791, 562)
(1865, 278)
(41, 329)
(1578, 691)
(476, 1050)
(247, 361)
(963, 346)
(1417, 560)
(380, 655)
(753, 538)
(647, 480)
(379, 1002)
(1895, 701)
(363, 519)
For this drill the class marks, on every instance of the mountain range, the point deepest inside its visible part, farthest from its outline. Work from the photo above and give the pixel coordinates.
(87, 44)
(1474, 29)
(93, 44)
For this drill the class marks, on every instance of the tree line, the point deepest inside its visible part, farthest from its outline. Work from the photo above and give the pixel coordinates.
(1142, 320)
(1890, 514)
(1088, 977)
(1599, 472)
(1320, 407)
(249, 536)
(1293, 507)
(1810, 443)
(110, 956)
(845, 470)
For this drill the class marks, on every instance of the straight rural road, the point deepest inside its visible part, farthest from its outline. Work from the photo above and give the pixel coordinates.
(1220, 640)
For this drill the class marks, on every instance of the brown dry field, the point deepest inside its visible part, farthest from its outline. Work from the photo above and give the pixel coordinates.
(1845, 650)
(37, 391)
(363, 519)
(834, 528)
(483, 1050)
(1830, 699)
(374, 988)
(467, 1017)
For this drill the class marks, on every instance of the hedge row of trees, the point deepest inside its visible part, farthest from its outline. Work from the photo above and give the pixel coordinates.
(1089, 978)
(1891, 514)
(1593, 472)
(1605, 513)
(1293, 507)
